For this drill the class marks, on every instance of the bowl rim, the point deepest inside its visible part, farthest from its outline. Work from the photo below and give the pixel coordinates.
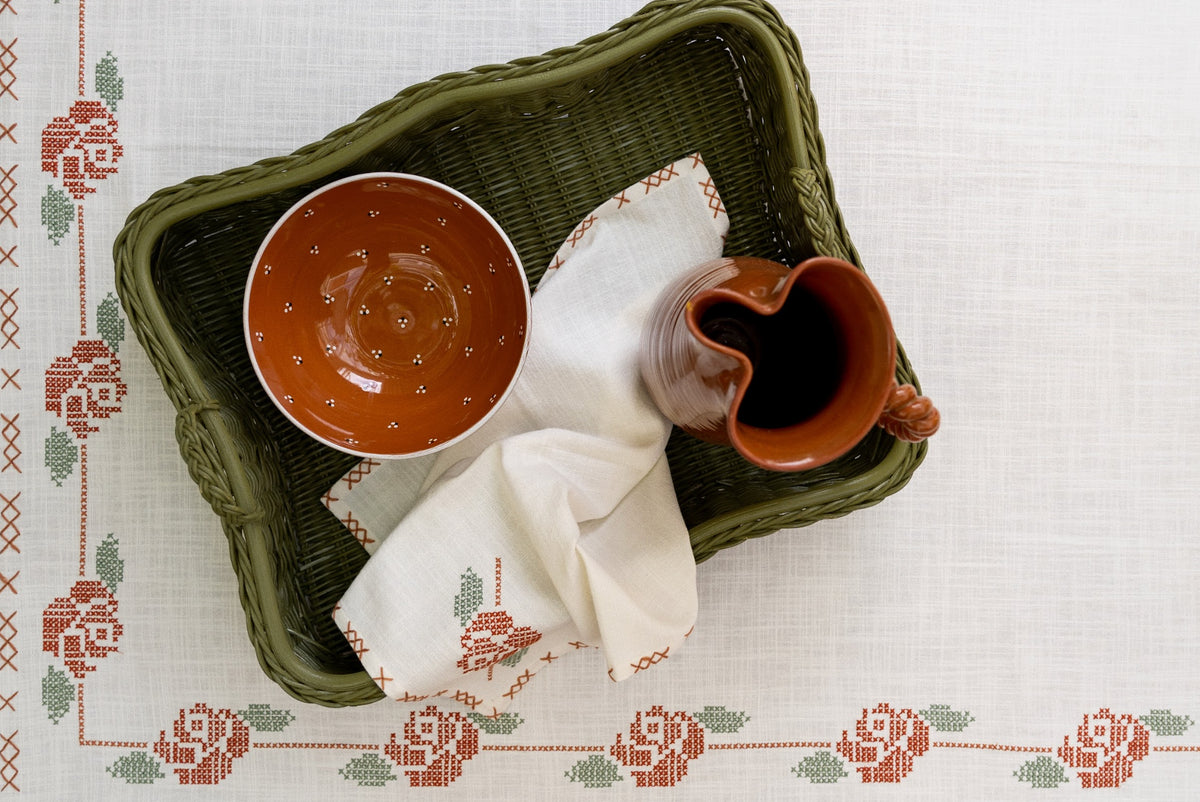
(412, 179)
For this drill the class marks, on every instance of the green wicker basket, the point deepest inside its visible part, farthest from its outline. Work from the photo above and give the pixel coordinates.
(538, 143)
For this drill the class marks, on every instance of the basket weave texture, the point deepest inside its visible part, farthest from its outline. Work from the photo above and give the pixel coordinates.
(538, 143)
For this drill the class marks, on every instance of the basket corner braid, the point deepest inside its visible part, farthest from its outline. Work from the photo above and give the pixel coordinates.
(724, 78)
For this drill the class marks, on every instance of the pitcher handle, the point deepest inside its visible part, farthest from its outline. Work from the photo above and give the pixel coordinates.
(908, 416)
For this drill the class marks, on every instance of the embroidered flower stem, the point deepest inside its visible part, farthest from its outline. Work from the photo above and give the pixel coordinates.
(82, 49)
(85, 741)
(83, 511)
(82, 274)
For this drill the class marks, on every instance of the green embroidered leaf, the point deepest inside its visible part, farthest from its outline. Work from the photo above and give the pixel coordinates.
(57, 214)
(109, 565)
(265, 718)
(1043, 772)
(943, 719)
(513, 659)
(61, 455)
(1164, 722)
(368, 770)
(820, 768)
(109, 84)
(469, 598)
(595, 772)
(109, 323)
(720, 720)
(57, 694)
(137, 768)
(503, 724)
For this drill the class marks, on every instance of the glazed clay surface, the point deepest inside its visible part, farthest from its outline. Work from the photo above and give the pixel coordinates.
(387, 315)
(791, 367)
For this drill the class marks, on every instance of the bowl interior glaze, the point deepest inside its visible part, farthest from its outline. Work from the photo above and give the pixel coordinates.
(387, 315)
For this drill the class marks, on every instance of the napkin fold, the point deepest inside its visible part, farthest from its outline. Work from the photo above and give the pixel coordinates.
(555, 526)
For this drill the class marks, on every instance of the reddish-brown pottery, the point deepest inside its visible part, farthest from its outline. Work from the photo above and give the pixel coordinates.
(387, 315)
(791, 367)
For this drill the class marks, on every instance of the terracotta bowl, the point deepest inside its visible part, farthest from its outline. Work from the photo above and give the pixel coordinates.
(387, 315)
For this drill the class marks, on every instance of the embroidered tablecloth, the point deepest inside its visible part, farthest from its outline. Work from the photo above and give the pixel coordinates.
(1023, 181)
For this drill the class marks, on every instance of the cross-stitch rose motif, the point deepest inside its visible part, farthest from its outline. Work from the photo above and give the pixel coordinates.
(884, 743)
(659, 747)
(435, 744)
(85, 387)
(491, 637)
(203, 744)
(82, 147)
(1105, 748)
(82, 628)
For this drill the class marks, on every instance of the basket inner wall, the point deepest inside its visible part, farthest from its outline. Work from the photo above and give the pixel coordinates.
(538, 163)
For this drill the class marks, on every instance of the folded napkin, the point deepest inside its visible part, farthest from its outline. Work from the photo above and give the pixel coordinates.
(555, 526)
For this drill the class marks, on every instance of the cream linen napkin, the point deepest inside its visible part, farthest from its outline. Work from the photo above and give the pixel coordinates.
(555, 526)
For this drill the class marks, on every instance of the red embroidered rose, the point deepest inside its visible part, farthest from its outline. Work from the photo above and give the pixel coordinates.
(660, 746)
(203, 744)
(435, 743)
(884, 744)
(491, 637)
(1106, 747)
(85, 387)
(81, 147)
(83, 627)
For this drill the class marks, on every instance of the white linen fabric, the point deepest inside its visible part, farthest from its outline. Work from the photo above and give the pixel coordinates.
(1022, 181)
(555, 525)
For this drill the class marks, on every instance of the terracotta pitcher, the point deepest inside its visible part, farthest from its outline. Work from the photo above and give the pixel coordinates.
(792, 367)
